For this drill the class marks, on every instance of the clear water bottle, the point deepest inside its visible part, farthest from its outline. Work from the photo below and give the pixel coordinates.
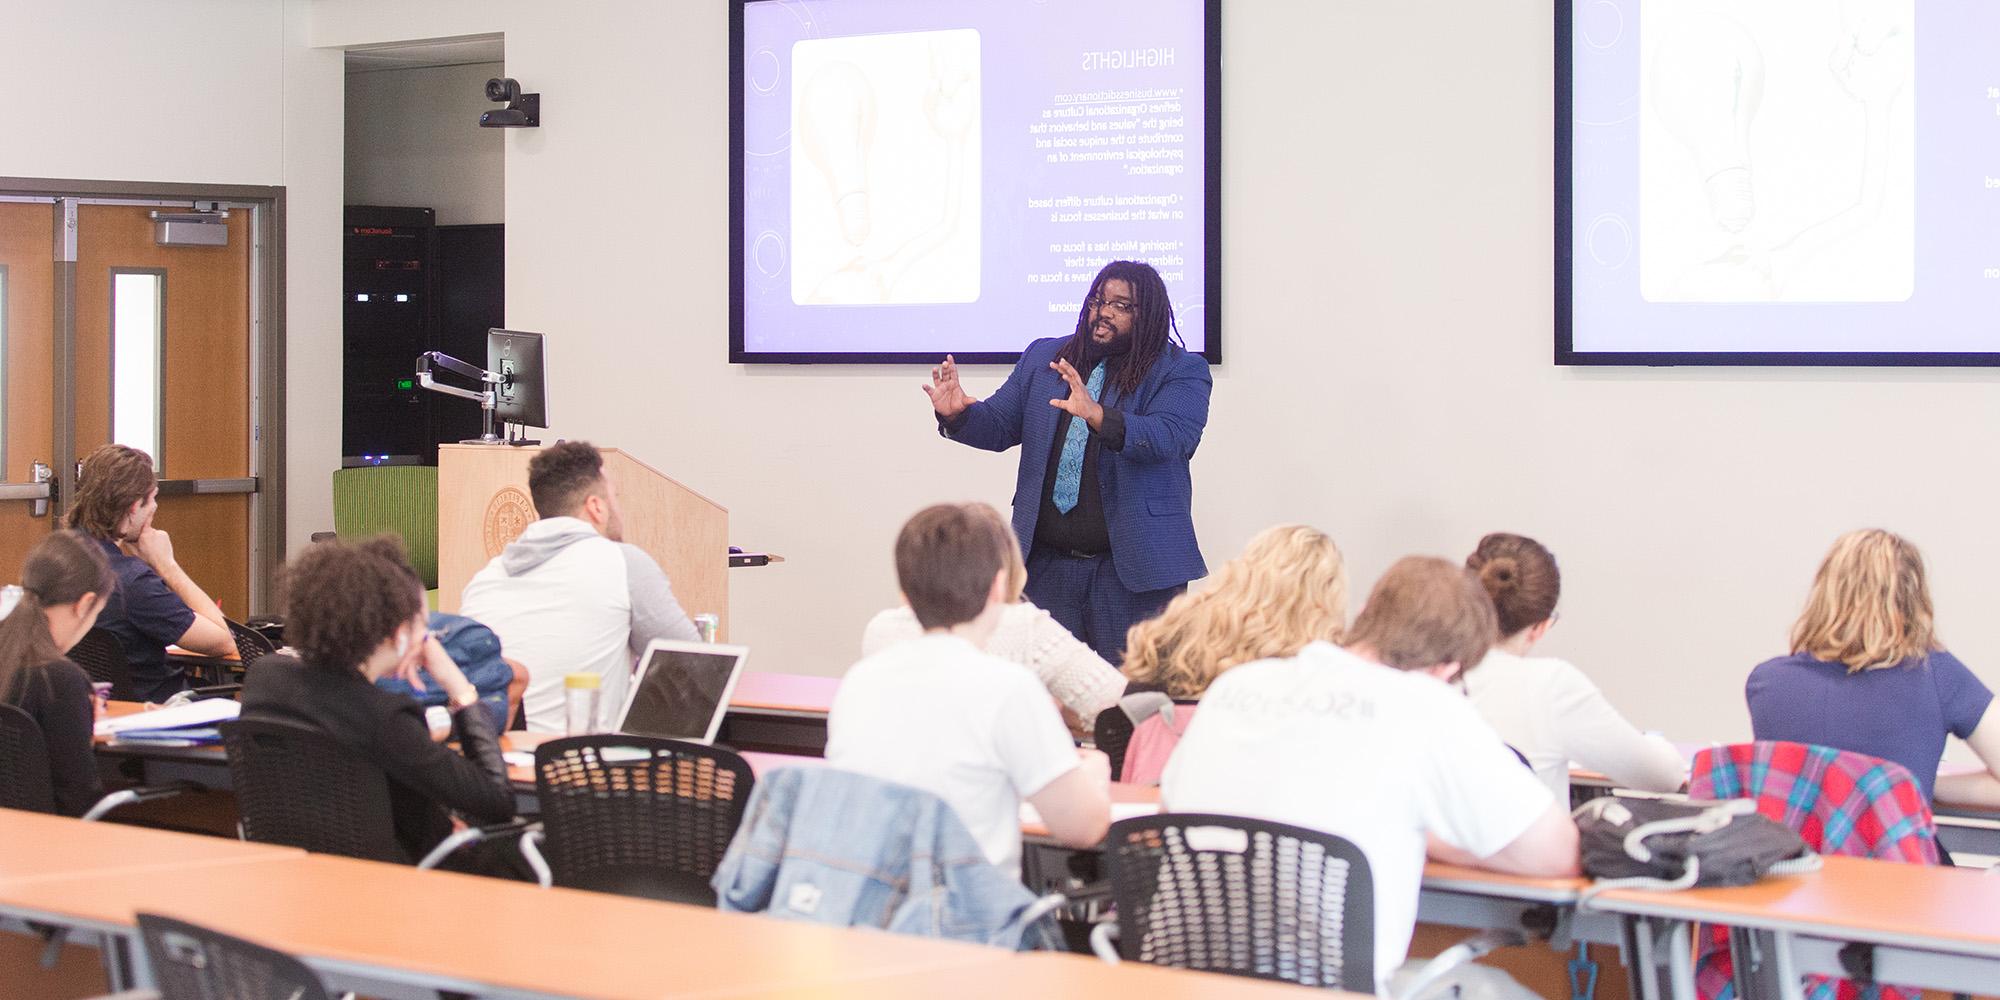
(580, 693)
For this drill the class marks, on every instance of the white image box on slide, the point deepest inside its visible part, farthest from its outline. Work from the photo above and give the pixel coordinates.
(885, 169)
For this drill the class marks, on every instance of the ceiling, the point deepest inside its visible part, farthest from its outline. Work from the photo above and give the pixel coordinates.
(420, 55)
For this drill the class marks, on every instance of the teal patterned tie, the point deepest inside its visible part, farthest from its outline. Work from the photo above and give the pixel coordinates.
(1069, 468)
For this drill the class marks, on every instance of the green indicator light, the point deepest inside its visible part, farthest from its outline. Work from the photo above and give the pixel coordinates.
(406, 384)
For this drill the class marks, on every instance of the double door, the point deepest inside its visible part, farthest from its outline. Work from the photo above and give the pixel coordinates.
(136, 322)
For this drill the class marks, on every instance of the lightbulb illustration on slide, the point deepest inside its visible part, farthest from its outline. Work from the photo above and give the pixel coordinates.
(1835, 224)
(885, 199)
(1711, 82)
(838, 118)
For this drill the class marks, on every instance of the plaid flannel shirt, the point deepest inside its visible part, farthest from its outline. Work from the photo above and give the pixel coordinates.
(1840, 803)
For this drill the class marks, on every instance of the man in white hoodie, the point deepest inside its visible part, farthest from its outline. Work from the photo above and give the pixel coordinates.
(570, 596)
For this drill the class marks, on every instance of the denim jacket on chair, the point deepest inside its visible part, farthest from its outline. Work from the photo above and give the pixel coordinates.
(834, 847)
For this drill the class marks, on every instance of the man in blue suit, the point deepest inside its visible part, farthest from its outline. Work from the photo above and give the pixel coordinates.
(1101, 504)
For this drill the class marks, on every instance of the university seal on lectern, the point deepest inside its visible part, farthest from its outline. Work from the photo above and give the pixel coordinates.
(507, 515)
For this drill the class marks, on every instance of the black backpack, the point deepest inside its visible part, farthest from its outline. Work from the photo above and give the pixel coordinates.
(1660, 844)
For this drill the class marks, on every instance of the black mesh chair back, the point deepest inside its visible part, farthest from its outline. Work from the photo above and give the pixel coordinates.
(195, 963)
(102, 657)
(24, 764)
(639, 816)
(1257, 899)
(250, 643)
(296, 786)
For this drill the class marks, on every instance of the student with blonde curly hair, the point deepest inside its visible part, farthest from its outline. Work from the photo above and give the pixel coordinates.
(1288, 588)
(1868, 674)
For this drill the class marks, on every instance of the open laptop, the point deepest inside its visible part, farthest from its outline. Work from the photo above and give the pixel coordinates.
(682, 690)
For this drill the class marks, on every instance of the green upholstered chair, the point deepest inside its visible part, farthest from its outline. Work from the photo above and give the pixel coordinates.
(394, 499)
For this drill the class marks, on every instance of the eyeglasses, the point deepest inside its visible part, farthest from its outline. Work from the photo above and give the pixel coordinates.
(1118, 306)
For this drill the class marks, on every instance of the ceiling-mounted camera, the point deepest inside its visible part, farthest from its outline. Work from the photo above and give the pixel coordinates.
(522, 110)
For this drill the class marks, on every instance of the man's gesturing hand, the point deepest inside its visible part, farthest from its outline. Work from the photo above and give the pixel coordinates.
(1078, 404)
(948, 397)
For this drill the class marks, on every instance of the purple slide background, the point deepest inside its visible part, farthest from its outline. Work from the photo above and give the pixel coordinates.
(1953, 308)
(1030, 51)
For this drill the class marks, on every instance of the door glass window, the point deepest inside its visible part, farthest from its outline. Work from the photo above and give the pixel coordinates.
(138, 303)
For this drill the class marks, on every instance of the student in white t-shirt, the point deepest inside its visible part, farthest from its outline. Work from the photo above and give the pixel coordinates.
(1542, 706)
(938, 713)
(1077, 678)
(1371, 743)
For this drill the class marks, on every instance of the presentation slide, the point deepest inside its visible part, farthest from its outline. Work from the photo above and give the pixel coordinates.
(1787, 181)
(929, 176)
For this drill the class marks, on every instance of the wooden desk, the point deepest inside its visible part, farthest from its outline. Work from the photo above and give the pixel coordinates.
(39, 847)
(1961, 829)
(1926, 926)
(1044, 974)
(779, 713)
(365, 925)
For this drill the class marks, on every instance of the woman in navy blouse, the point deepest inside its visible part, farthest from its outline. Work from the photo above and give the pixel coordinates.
(1867, 672)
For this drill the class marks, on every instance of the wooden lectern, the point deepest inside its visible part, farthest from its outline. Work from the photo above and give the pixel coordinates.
(483, 504)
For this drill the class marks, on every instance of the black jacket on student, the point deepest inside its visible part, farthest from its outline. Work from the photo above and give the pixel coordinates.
(57, 696)
(426, 778)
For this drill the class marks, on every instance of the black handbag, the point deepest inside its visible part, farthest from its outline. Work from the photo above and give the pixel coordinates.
(1655, 843)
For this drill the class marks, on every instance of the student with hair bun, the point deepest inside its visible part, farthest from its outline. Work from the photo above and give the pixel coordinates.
(63, 586)
(1543, 707)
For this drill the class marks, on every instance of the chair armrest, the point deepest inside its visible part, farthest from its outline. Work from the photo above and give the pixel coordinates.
(473, 835)
(1104, 942)
(1459, 954)
(145, 793)
(531, 851)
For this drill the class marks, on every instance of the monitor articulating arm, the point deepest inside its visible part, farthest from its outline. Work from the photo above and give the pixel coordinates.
(485, 397)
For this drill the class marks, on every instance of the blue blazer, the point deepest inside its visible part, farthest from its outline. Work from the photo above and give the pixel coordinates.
(1147, 493)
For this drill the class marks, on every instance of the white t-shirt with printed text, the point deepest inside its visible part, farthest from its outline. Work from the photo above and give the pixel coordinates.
(938, 714)
(1330, 741)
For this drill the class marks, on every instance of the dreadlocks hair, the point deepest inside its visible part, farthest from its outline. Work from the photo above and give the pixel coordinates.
(1152, 323)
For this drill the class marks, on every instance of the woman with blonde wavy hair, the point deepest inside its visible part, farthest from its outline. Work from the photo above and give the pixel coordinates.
(1288, 588)
(1867, 673)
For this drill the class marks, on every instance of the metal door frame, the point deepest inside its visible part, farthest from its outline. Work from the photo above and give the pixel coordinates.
(266, 482)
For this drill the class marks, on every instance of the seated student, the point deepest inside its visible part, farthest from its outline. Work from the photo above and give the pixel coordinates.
(1287, 589)
(1867, 673)
(1079, 679)
(355, 613)
(569, 596)
(1544, 707)
(937, 714)
(156, 604)
(1370, 743)
(63, 586)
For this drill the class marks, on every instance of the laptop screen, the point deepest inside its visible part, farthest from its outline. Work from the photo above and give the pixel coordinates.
(683, 690)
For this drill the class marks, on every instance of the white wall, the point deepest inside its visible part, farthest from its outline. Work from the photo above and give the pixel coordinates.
(202, 92)
(413, 138)
(136, 90)
(1387, 320)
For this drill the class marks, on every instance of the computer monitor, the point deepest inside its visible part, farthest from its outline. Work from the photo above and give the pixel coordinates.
(523, 397)
(682, 691)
